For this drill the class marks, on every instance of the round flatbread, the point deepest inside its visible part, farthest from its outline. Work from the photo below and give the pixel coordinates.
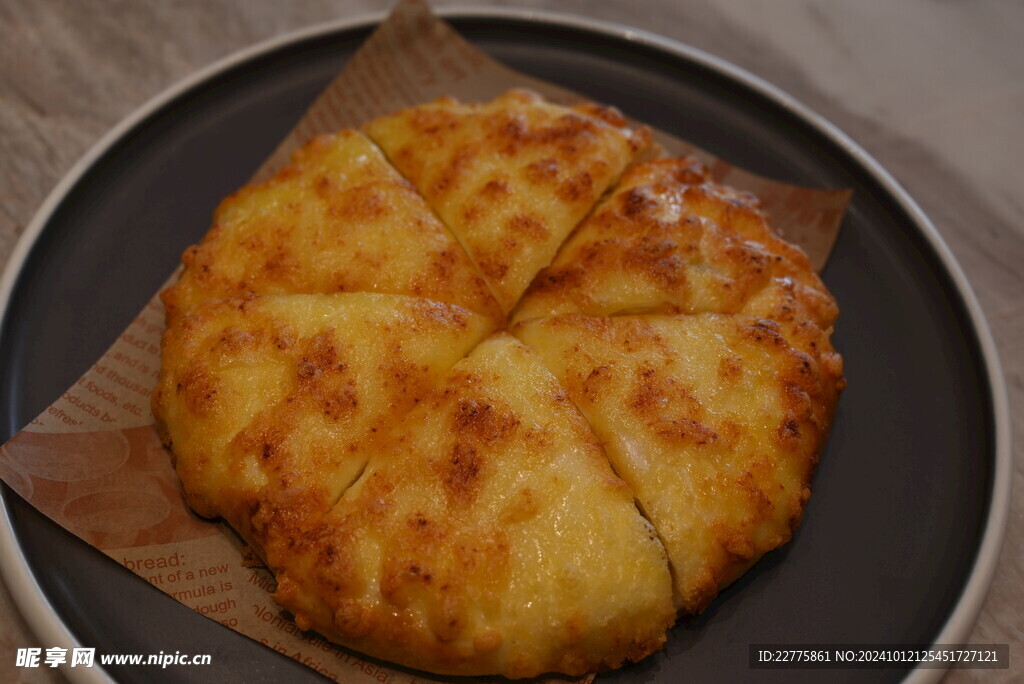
(337, 383)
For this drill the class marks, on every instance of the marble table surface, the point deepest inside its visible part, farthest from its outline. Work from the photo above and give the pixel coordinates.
(932, 89)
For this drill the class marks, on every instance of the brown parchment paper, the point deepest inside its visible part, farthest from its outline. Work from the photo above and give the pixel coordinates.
(92, 461)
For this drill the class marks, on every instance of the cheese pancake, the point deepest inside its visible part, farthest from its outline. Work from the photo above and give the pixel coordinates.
(431, 490)
(338, 219)
(714, 420)
(488, 534)
(511, 177)
(269, 402)
(669, 240)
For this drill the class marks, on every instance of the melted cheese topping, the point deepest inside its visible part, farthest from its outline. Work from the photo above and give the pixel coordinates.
(511, 177)
(338, 219)
(715, 421)
(447, 501)
(487, 534)
(271, 401)
(668, 240)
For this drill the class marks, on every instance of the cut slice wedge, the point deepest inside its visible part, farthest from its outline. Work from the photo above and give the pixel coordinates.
(669, 240)
(511, 177)
(338, 219)
(715, 421)
(270, 403)
(488, 534)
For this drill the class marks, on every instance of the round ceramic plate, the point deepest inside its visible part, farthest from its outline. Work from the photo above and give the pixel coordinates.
(899, 540)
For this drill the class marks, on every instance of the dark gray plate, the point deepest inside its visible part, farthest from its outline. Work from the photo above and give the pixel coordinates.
(904, 492)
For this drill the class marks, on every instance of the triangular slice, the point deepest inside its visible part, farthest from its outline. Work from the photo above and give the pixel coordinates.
(487, 535)
(338, 219)
(670, 240)
(511, 177)
(268, 403)
(714, 420)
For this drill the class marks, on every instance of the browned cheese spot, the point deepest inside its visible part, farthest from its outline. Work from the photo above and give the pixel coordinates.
(433, 121)
(730, 368)
(281, 519)
(684, 431)
(265, 438)
(339, 404)
(482, 423)
(689, 171)
(473, 213)
(354, 619)
(198, 388)
(657, 393)
(530, 227)
(478, 426)
(321, 357)
(443, 316)
(788, 430)
(233, 340)
(764, 332)
(610, 115)
(254, 242)
(462, 470)
(577, 189)
(593, 385)
(188, 257)
(494, 190)
(284, 338)
(759, 504)
(441, 267)
(452, 174)
(542, 172)
(555, 279)
(280, 263)
(400, 376)
(324, 187)
(735, 543)
(657, 258)
(636, 203)
(494, 265)
(363, 204)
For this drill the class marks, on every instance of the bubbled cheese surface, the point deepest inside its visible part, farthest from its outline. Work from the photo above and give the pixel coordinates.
(489, 396)
(511, 178)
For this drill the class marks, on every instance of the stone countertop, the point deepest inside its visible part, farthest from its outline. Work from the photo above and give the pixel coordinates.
(933, 90)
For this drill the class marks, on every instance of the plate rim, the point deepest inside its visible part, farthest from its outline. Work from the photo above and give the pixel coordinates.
(47, 624)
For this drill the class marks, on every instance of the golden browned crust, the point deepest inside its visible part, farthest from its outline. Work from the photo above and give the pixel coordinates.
(337, 219)
(450, 502)
(511, 177)
(268, 397)
(442, 556)
(668, 240)
(714, 420)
